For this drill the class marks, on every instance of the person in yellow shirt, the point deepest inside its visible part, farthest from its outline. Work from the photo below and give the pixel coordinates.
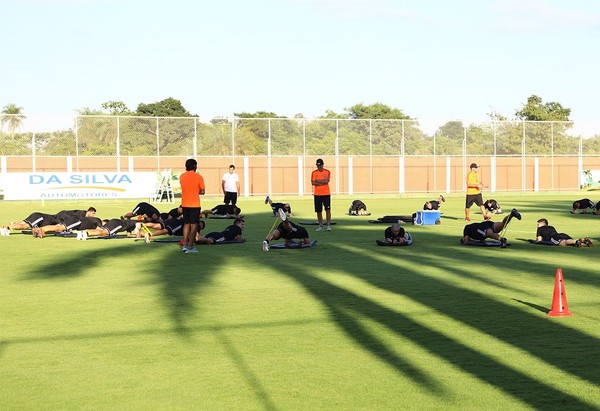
(474, 196)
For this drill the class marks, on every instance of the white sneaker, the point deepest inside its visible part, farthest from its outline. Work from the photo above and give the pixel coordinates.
(184, 248)
(265, 245)
(328, 228)
(321, 228)
(282, 214)
(191, 251)
(84, 235)
(147, 238)
(79, 235)
(136, 230)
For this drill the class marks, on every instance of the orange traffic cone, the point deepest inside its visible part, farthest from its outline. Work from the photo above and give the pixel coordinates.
(560, 308)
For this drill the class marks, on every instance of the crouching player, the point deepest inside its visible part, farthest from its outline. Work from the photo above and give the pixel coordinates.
(478, 232)
(288, 231)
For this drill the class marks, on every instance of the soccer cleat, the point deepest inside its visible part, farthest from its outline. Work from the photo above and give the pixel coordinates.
(328, 228)
(267, 200)
(579, 243)
(265, 245)
(515, 214)
(191, 251)
(282, 214)
(320, 228)
(503, 242)
(587, 241)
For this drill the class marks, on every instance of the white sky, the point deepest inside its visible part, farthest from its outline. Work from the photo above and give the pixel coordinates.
(433, 59)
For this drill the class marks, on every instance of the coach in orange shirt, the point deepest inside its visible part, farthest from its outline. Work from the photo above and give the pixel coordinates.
(322, 196)
(192, 187)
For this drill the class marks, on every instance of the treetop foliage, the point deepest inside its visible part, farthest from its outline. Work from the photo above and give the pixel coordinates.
(536, 110)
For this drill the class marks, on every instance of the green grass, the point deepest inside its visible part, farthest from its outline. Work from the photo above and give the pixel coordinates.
(119, 324)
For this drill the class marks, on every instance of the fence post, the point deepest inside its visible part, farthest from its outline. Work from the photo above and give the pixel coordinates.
(300, 176)
(246, 176)
(350, 177)
(536, 174)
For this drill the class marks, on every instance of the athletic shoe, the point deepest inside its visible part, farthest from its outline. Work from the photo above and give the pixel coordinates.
(467, 219)
(503, 242)
(265, 245)
(579, 243)
(84, 235)
(328, 228)
(442, 198)
(191, 251)
(267, 200)
(587, 241)
(79, 235)
(147, 238)
(320, 228)
(282, 214)
(515, 214)
(136, 230)
(184, 248)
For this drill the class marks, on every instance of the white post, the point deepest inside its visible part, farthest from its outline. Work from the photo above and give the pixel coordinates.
(401, 174)
(246, 176)
(536, 174)
(448, 170)
(130, 164)
(269, 158)
(69, 164)
(493, 174)
(33, 152)
(350, 176)
(300, 176)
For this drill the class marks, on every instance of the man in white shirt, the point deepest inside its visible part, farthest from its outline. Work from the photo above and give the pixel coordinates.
(231, 186)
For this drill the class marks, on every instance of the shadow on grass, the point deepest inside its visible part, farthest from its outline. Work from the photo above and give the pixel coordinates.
(180, 278)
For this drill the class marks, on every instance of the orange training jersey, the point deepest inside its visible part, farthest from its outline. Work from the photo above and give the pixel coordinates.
(191, 184)
(472, 181)
(322, 190)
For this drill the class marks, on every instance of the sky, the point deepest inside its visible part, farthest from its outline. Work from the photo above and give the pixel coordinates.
(436, 60)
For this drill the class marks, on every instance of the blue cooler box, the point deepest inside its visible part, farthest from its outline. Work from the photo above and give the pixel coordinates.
(427, 217)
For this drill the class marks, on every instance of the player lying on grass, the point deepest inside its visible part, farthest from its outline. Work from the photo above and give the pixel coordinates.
(434, 204)
(144, 212)
(288, 231)
(580, 206)
(548, 233)
(226, 210)
(112, 227)
(478, 232)
(231, 233)
(64, 220)
(176, 213)
(172, 226)
(276, 206)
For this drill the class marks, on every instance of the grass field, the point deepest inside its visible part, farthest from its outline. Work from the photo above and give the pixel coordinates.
(120, 324)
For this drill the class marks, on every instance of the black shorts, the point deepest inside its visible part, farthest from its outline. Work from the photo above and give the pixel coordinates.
(71, 222)
(478, 231)
(41, 220)
(145, 209)
(298, 233)
(217, 237)
(173, 226)
(474, 199)
(230, 196)
(558, 237)
(191, 215)
(322, 202)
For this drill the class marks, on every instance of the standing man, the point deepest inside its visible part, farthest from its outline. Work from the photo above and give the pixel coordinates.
(192, 187)
(322, 196)
(474, 187)
(231, 186)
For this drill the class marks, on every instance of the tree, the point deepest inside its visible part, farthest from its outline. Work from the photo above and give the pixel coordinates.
(377, 111)
(169, 107)
(116, 108)
(536, 110)
(13, 117)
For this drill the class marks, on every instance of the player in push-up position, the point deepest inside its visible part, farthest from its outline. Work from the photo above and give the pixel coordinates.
(288, 231)
(225, 210)
(580, 206)
(478, 232)
(170, 226)
(110, 228)
(143, 211)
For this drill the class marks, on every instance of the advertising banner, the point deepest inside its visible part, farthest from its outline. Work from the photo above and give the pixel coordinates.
(74, 186)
